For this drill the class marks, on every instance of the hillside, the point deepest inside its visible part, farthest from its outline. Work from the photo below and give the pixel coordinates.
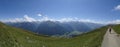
(14, 37)
(117, 28)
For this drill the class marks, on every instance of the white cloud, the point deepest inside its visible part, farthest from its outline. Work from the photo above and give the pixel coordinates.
(91, 21)
(39, 14)
(29, 19)
(45, 18)
(66, 19)
(76, 19)
(114, 22)
(26, 18)
(117, 7)
(14, 20)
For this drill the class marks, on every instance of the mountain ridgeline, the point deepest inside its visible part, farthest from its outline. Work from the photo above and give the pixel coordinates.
(56, 28)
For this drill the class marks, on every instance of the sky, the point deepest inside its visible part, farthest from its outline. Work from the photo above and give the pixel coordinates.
(86, 10)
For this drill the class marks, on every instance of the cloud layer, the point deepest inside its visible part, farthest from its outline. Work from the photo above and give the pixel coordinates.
(114, 22)
(117, 7)
(26, 18)
(39, 14)
(29, 19)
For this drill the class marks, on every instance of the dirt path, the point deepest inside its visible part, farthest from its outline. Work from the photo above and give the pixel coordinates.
(111, 39)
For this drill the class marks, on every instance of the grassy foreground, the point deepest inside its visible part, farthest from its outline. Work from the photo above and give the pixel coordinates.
(14, 37)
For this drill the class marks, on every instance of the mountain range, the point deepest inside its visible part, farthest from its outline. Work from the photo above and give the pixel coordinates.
(56, 28)
(16, 37)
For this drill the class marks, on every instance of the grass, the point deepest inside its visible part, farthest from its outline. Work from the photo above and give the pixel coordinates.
(117, 28)
(14, 37)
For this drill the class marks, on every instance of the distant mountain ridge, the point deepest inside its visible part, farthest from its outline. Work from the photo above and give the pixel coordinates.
(56, 27)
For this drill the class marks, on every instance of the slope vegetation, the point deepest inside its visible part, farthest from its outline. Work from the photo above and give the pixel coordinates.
(14, 37)
(116, 28)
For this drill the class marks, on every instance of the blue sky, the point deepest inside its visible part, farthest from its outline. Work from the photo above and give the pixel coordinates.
(97, 10)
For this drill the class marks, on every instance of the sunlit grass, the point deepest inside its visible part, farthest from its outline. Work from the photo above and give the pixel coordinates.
(10, 37)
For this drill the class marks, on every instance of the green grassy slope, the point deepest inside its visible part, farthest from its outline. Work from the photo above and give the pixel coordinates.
(117, 28)
(14, 37)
